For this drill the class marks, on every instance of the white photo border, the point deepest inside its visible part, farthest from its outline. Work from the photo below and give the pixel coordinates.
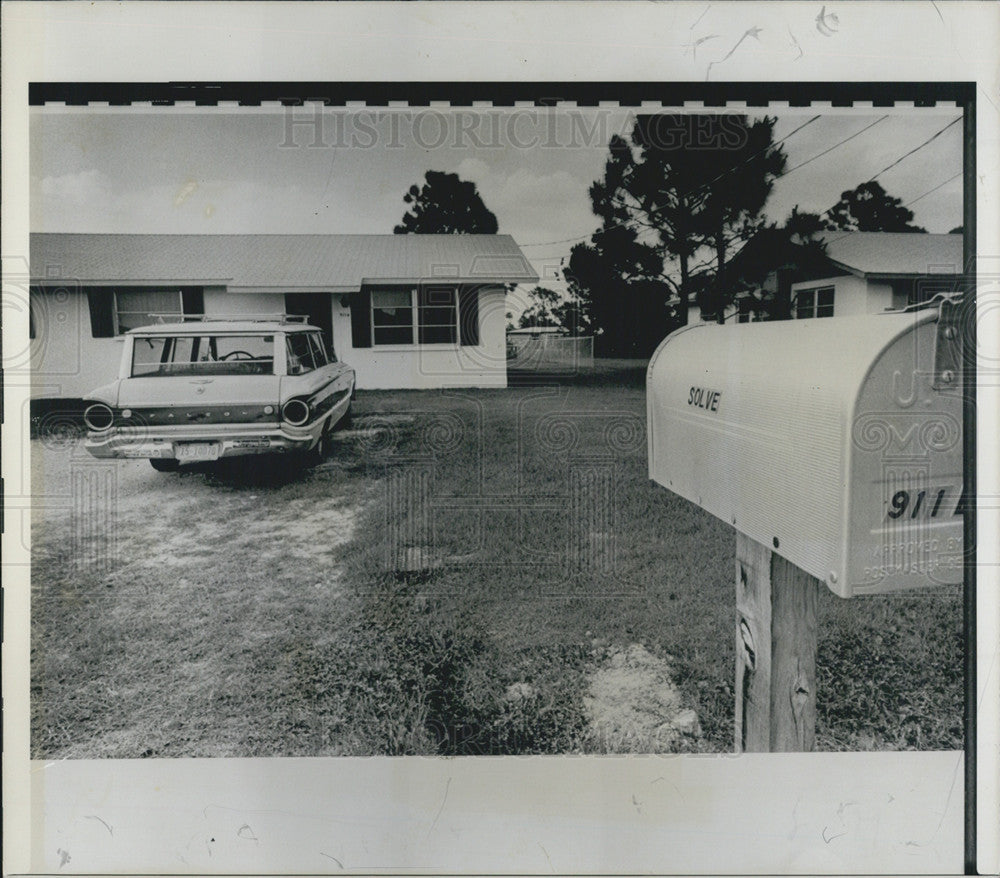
(898, 812)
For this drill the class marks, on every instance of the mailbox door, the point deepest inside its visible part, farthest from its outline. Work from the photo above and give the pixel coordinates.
(905, 527)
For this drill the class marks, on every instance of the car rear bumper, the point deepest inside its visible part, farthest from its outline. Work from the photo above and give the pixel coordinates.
(199, 443)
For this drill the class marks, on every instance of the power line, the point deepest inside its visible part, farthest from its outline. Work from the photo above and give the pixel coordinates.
(806, 162)
(751, 158)
(916, 149)
(832, 148)
(703, 186)
(935, 189)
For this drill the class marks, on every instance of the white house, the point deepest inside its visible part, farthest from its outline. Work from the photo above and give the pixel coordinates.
(871, 272)
(859, 273)
(406, 311)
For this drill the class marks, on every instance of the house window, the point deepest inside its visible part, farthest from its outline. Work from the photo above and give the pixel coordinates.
(425, 315)
(392, 316)
(814, 303)
(437, 317)
(136, 307)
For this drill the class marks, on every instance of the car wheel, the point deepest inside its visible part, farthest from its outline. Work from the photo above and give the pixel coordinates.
(164, 464)
(345, 419)
(317, 454)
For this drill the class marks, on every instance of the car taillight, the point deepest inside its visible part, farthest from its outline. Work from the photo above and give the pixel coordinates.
(296, 412)
(98, 416)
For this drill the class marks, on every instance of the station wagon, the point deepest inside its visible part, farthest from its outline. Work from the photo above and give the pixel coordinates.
(217, 387)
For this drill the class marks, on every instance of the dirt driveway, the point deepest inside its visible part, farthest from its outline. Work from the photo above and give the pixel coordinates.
(132, 519)
(147, 584)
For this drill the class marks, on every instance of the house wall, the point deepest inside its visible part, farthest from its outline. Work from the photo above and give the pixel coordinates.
(218, 302)
(852, 295)
(430, 366)
(67, 362)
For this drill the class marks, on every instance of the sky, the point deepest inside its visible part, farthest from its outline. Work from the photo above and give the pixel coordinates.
(306, 170)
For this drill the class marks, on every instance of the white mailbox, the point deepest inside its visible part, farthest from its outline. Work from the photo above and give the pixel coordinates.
(834, 441)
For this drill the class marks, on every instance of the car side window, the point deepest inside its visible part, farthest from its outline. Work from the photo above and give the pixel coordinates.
(318, 348)
(300, 355)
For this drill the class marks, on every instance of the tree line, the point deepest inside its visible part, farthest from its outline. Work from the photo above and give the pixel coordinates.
(680, 207)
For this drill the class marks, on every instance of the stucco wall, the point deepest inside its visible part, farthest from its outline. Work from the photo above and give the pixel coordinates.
(430, 366)
(66, 360)
(219, 302)
(852, 295)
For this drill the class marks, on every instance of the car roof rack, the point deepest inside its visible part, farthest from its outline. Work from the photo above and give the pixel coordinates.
(231, 318)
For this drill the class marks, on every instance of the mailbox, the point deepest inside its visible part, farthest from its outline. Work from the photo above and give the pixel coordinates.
(835, 442)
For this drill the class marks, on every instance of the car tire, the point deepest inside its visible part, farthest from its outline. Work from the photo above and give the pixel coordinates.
(318, 453)
(164, 464)
(346, 419)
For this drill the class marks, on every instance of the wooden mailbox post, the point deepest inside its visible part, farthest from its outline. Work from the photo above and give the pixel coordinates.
(834, 448)
(775, 651)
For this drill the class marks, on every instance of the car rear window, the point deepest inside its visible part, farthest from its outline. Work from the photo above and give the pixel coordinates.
(203, 355)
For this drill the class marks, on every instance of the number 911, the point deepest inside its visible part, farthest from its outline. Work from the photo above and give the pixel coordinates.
(926, 504)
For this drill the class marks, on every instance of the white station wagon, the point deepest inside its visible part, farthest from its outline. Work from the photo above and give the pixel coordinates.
(220, 387)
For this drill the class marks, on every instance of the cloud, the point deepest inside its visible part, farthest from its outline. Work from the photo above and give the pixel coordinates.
(89, 186)
(533, 206)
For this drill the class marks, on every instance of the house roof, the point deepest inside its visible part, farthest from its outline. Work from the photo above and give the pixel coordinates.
(259, 263)
(894, 254)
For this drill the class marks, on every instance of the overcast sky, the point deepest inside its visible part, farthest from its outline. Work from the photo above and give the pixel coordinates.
(314, 171)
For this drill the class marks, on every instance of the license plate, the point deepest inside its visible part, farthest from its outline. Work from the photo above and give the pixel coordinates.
(198, 451)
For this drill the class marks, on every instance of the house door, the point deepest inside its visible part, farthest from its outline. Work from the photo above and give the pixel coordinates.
(318, 307)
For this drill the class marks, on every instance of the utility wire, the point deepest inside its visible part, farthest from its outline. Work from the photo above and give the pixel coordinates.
(832, 148)
(812, 159)
(916, 149)
(699, 188)
(733, 170)
(935, 189)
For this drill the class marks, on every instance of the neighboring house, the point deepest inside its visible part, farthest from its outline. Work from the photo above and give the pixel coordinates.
(871, 272)
(853, 273)
(857, 273)
(406, 311)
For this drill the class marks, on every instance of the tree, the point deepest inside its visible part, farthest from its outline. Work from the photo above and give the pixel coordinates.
(446, 204)
(869, 208)
(539, 312)
(616, 279)
(548, 308)
(775, 258)
(692, 187)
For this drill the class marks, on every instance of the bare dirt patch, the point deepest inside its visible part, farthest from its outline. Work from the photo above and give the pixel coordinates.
(633, 705)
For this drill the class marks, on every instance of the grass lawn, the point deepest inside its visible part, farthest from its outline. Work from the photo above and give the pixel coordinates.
(449, 581)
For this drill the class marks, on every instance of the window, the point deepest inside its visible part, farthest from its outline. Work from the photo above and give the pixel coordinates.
(814, 303)
(300, 353)
(115, 310)
(163, 356)
(318, 349)
(135, 307)
(437, 320)
(392, 316)
(426, 315)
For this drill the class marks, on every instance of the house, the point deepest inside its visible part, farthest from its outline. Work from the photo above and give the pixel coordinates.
(841, 273)
(406, 311)
(870, 272)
